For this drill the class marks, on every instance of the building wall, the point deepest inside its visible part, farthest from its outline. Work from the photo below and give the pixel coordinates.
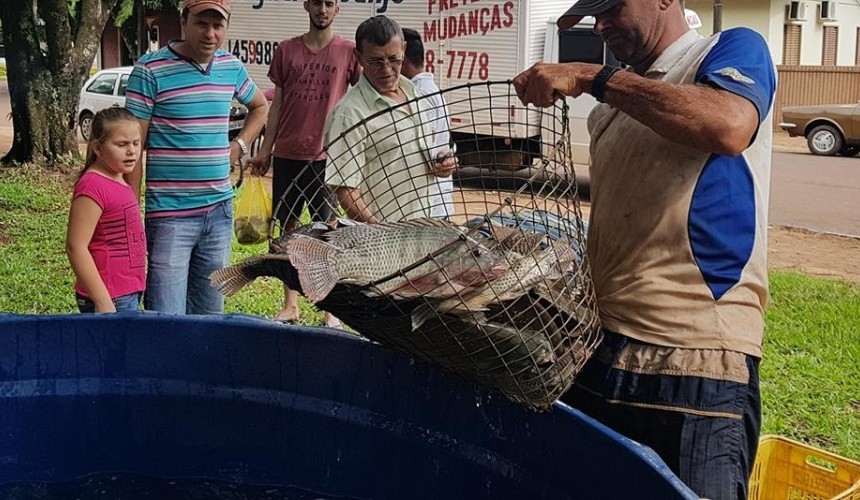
(109, 49)
(169, 28)
(768, 17)
(812, 34)
(750, 13)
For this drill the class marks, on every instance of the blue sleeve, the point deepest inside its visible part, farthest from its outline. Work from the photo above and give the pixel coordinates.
(740, 63)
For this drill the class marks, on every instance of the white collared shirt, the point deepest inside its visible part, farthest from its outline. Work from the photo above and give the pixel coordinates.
(441, 203)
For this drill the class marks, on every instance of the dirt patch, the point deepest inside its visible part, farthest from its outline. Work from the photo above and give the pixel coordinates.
(815, 254)
(782, 143)
(5, 239)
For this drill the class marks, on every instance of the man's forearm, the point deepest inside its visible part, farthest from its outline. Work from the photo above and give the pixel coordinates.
(271, 127)
(258, 111)
(350, 200)
(699, 116)
(254, 123)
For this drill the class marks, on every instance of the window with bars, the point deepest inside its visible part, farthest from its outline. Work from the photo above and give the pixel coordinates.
(831, 40)
(791, 45)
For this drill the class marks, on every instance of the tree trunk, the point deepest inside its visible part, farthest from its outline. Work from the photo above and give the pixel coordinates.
(47, 63)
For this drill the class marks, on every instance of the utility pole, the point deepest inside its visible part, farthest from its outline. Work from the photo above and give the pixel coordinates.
(718, 16)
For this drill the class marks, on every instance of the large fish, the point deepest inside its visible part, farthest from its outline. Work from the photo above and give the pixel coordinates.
(421, 257)
(525, 272)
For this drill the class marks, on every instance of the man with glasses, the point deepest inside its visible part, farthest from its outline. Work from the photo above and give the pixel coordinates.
(381, 161)
(311, 72)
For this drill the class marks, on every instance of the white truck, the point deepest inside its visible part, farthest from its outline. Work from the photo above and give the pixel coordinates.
(465, 41)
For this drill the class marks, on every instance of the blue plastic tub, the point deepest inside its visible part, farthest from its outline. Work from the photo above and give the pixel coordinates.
(247, 401)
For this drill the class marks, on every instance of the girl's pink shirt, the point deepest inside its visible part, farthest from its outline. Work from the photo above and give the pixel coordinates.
(118, 245)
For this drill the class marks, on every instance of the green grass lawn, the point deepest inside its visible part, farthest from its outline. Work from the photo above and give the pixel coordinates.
(810, 373)
(35, 276)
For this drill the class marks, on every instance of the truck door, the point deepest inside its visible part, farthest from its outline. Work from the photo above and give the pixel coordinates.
(582, 44)
(426, 19)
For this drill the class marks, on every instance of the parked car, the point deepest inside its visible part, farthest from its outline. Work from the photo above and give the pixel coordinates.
(107, 87)
(829, 129)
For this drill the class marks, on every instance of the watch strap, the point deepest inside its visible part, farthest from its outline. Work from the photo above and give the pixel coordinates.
(242, 145)
(598, 87)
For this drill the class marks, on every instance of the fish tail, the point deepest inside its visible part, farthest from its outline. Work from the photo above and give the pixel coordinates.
(425, 312)
(477, 302)
(312, 259)
(231, 279)
(421, 315)
(465, 304)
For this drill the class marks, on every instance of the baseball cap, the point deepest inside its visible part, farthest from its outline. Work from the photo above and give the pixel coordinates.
(584, 8)
(197, 6)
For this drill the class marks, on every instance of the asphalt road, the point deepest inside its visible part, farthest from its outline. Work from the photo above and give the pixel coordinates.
(812, 192)
(815, 192)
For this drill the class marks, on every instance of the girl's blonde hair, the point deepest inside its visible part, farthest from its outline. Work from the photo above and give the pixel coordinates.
(100, 131)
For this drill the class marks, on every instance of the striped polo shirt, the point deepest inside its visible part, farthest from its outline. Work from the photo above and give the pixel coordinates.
(188, 109)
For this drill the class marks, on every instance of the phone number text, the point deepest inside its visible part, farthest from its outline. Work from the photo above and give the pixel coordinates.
(252, 51)
(461, 64)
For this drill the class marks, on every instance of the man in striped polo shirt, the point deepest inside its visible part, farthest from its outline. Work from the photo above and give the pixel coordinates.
(182, 95)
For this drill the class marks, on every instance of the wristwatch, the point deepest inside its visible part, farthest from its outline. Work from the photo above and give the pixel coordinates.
(598, 87)
(242, 145)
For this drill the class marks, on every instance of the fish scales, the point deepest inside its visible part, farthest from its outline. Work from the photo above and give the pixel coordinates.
(392, 256)
(525, 271)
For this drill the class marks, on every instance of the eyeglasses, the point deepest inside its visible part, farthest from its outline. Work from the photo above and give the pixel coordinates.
(379, 63)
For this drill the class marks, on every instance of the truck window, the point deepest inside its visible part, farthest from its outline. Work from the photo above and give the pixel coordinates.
(583, 45)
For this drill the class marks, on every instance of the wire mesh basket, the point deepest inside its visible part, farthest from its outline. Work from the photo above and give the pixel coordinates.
(483, 273)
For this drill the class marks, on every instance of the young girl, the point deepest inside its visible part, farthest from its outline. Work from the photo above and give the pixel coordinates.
(105, 241)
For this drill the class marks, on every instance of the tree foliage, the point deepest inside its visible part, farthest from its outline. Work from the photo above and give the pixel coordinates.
(48, 57)
(126, 17)
(126, 8)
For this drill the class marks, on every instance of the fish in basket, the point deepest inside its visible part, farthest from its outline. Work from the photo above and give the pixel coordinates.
(516, 322)
(495, 287)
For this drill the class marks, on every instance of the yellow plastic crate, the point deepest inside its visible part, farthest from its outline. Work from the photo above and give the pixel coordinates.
(788, 470)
